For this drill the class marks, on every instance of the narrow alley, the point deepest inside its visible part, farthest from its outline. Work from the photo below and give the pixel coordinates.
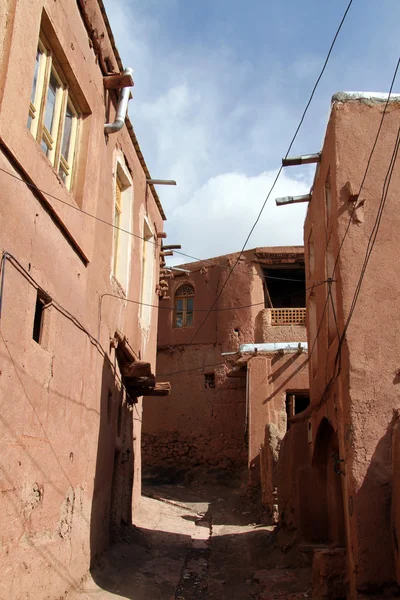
(196, 542)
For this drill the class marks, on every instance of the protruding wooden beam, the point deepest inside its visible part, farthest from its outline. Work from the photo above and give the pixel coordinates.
(305, 159)
(161, 389)
(172, 247)
(118, 81)
(292, 199)
(166, 253)
(161, 235)
(138, 368)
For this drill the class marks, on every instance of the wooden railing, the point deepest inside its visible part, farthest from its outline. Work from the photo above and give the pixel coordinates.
(287, 316)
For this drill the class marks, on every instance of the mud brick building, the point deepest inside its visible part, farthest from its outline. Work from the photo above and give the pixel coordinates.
(75, 357)
(339, 461)
(236, 385)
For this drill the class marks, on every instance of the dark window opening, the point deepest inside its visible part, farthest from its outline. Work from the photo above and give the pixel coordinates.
(296, 403)
(284, 288)
(209, 380)
(41, 302)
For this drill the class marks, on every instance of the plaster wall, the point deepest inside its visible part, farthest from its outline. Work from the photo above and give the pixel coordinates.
(197, 425)
(70, 466)
(360, 402)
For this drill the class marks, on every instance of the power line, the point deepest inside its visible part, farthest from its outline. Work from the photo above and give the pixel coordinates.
(92, 216)
(374, 232)
(15, 262)
(279, 170)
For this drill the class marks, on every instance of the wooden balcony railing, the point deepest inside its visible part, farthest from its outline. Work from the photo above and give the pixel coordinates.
(287, 316)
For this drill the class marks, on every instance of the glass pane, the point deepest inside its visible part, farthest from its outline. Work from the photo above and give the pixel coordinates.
(35, 76)
(189, 318)
(45, 147)
(179, 320)
(179, 304)
(189, 304)
(66, 139)
(62, 173)
(51, 102)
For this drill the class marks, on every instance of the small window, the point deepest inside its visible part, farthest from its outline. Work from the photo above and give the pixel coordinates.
(122, 218)
(328, 199)
(41, 302)
(53, 116)
(184, 299)
(209, 380)
(147, 287)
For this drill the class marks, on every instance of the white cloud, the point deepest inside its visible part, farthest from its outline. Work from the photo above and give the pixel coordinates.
(205, 118)
(219, 215)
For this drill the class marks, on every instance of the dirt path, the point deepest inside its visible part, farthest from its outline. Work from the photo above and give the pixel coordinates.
(195, 544)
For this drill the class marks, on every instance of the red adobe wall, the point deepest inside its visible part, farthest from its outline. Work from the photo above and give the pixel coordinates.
(198, 426)
(359, 405)
(70, 463)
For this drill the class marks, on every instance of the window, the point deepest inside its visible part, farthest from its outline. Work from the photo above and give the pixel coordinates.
(184, 297)
(209, 380)
(328, 199)
(41, 302)
(53, 116)
(122, 221)
(117, 220)
(148, 261)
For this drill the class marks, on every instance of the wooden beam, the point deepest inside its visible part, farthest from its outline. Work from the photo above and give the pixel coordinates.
(161, 389)
(135, 369)
(171, 247)
(118, 81)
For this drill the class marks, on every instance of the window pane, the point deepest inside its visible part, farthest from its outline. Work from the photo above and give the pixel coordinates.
(189, 304)
(35, 76)
(179, 320)
(50, 102)
(66, 140)
(189, 318)
(179, 304)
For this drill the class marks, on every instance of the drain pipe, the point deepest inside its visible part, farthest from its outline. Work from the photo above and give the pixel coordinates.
(122, 108)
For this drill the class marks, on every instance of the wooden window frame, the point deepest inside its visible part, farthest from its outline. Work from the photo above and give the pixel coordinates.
(184, 312)
(117, 221)
(53, 140)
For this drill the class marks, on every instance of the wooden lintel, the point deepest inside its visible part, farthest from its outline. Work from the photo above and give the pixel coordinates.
(118, 81)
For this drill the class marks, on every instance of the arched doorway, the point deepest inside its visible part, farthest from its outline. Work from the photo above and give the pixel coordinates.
(327, 486)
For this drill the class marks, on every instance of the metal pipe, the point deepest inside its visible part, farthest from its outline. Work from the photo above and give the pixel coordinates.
(305, 159)
(122, 108)
(292, 199)
(161, 181)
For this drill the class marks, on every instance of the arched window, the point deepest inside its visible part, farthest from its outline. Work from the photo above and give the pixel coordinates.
(184, 297)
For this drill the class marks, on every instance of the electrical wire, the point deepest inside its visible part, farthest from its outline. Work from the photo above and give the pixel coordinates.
(279, 170)
(226, 308)
(15, 262)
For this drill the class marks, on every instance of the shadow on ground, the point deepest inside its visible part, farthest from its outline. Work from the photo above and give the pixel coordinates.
(195, 542)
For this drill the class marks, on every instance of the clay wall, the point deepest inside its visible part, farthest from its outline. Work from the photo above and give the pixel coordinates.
(270, 379)
(70, 466)
(197, 425)
(359, 404)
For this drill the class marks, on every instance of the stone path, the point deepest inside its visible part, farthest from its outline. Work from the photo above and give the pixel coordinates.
(195, 544)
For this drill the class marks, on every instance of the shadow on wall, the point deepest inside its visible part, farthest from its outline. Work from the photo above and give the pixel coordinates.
(113, 481)
(370, 514)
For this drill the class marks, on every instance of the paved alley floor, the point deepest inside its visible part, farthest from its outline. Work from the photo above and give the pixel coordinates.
(195, 544)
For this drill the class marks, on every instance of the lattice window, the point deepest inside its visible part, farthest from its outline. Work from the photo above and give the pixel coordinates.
(184, 298)
(288, 316)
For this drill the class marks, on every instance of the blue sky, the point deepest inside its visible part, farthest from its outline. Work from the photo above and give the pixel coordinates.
(220, 86)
